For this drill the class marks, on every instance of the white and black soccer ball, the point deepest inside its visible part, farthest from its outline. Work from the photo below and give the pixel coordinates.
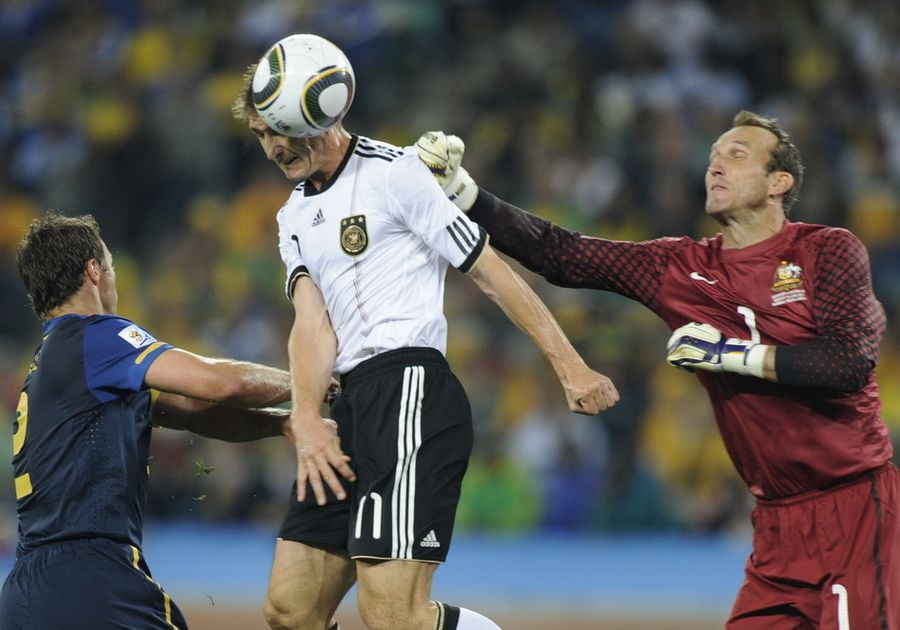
(303, 85)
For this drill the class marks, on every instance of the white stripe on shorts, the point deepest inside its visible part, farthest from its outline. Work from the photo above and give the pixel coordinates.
(409, 440)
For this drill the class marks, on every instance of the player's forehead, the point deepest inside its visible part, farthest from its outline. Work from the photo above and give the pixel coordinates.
(754, 139)
(256, 123)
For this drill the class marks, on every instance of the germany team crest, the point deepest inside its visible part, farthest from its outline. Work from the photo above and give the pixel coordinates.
(354, 237)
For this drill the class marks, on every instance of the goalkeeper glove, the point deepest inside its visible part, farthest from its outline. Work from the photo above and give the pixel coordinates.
(703, 347)
(443, 154)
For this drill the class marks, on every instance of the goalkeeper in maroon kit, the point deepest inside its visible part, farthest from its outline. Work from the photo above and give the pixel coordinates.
(779, 322)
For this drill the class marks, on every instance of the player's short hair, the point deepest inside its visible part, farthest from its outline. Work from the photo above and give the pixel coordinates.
(243, 106)
(52, 256)
(785, 156)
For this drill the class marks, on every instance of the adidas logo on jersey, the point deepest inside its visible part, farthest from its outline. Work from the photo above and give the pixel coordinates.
(319, 219)
(430, 540)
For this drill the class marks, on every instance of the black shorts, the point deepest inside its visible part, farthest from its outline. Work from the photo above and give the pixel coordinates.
(89, 584)
(406, 422)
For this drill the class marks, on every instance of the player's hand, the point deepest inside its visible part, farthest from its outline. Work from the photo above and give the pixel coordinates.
(334, 388)
(698, 346)
(443, 154)
(319, 457)
(589, 392)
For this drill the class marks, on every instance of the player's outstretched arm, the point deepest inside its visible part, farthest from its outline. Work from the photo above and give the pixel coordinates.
(698, 346)
(221, 422)
(217, 398)
(237, 383)
(587, 392)
(312, 348)
(564, 257)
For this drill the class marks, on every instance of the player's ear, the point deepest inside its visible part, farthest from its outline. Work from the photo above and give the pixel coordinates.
(93, 268)
(780, 182)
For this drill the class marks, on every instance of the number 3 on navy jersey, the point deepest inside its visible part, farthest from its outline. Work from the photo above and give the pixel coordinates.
(23, 482)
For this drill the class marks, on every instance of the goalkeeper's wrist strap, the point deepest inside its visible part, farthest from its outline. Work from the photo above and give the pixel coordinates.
(744, 357)
(462, 190)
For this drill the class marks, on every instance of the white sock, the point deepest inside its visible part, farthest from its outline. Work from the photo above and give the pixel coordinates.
(471, 620)
(459, 618)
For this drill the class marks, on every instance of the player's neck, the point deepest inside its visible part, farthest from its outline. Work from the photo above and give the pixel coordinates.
(743, 229)
(332, 155)
(84, 303)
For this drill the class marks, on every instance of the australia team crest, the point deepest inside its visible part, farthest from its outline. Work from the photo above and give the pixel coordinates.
(787, 286)
(354, 237)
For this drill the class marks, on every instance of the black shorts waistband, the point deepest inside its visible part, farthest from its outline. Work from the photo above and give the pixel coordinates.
(393, 359)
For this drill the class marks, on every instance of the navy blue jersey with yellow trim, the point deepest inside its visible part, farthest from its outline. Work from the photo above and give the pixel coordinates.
(82, 432)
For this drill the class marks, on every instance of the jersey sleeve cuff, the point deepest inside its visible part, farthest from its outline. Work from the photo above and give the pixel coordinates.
(476, 252)
(295, 275)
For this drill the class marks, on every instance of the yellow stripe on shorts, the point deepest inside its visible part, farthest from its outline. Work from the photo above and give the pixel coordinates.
(167, 601)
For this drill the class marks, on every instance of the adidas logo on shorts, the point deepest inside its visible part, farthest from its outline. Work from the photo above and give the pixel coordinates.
(430, 540)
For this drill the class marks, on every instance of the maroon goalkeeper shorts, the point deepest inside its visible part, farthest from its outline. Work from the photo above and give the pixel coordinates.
(828, 560)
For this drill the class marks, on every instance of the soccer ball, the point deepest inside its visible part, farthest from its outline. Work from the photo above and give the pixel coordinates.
(303, 85)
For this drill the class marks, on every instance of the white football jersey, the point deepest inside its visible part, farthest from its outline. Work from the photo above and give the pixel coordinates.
(376, 241)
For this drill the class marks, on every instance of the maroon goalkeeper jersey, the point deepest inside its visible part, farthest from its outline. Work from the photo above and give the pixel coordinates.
(807, 289)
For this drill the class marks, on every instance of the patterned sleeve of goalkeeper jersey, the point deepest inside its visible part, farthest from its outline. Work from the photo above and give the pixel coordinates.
(851, 322)
(570, 259)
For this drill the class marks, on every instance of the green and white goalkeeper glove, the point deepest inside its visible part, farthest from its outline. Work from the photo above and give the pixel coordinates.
(702, 347)
(443, 154)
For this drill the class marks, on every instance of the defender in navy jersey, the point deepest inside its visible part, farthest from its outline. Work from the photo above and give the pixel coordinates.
(366, 238)
(82, 435)
(779, 322)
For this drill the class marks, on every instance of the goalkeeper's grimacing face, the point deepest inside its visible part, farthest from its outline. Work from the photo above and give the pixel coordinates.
(298, 158)
(739, 177)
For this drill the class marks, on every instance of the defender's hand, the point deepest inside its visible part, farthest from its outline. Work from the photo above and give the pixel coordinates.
(319, 455)
(589, 392)
(334, 389)
(443, 154)
(704, 347)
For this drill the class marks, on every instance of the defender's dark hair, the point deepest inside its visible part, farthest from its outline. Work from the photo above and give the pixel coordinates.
(785, 156)
(52, 258)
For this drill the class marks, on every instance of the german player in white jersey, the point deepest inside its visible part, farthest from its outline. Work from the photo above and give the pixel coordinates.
(367, 237)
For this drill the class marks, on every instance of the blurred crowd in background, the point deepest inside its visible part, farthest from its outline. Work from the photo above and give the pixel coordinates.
(596, 114)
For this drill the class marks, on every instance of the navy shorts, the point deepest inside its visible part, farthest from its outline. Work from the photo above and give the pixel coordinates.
(405, 420)
(91, 584)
